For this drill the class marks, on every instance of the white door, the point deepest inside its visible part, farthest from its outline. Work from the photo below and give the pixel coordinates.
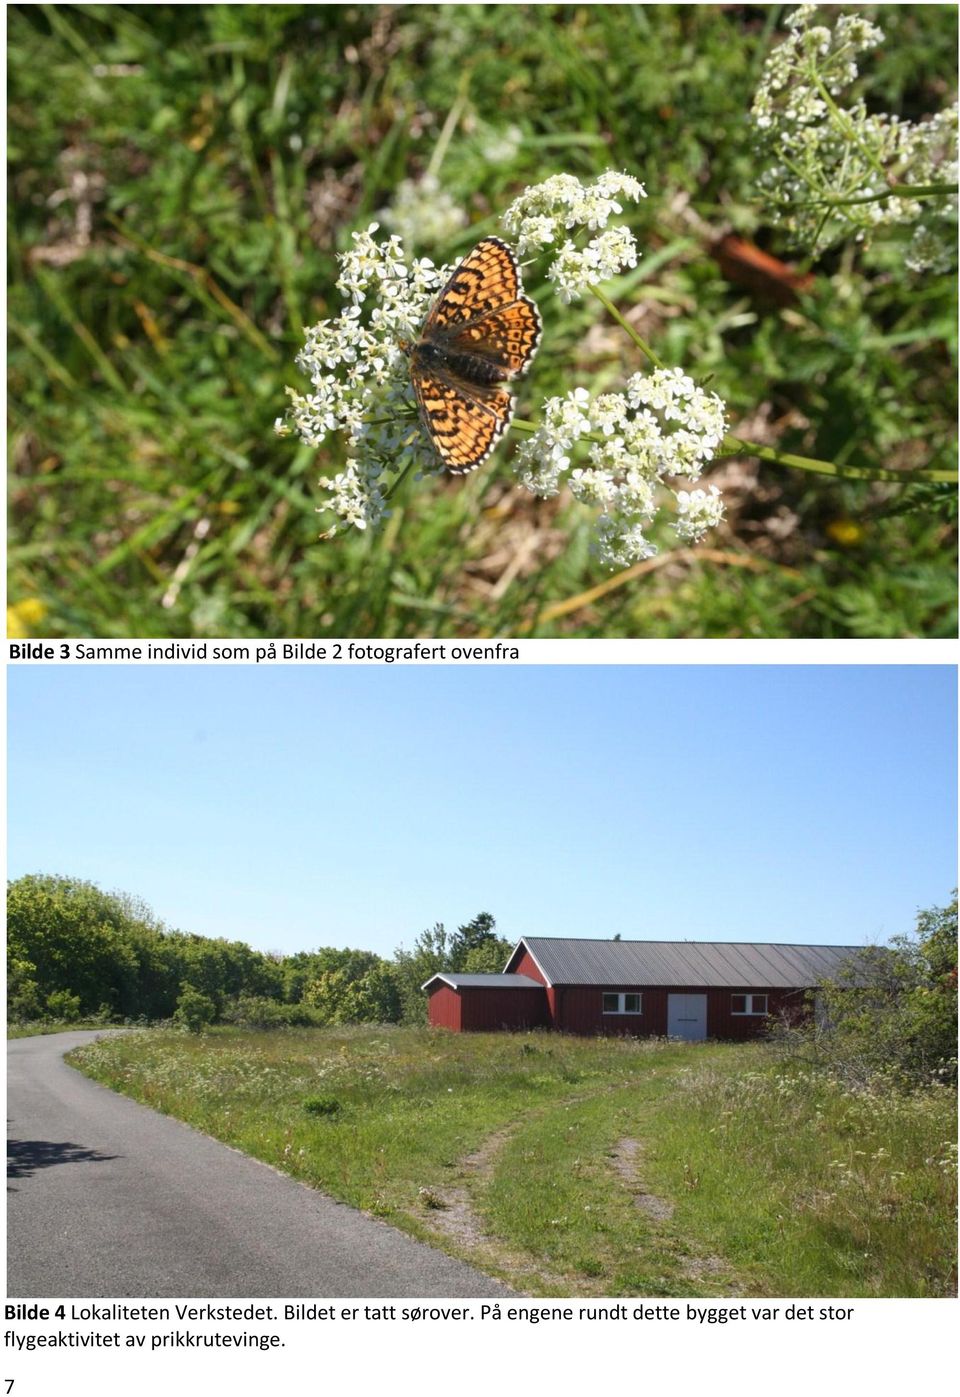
(687, 1015)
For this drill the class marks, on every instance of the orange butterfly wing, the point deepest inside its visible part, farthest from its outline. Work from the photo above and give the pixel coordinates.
(486, 279)
(465, 421)
(508, 336)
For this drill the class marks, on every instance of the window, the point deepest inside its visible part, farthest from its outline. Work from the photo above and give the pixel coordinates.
(748, 1004)
(623, 1003)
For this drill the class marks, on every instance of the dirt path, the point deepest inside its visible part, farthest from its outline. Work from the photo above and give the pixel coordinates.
(450, 1212)
(627, 1159)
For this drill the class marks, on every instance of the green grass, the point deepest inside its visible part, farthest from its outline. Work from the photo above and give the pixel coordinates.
(827, 1191)
(38, 1027)
(181, 180)
(582, 1166)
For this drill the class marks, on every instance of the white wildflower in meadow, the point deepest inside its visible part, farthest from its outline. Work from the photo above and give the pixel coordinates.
(698, 511)
(547, 215)
(662, 425)
(361, 378)
(821, 147)
(423, 214)
(500, 145)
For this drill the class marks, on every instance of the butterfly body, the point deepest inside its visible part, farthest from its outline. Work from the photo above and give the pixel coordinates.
(461, 364)
(481, 332)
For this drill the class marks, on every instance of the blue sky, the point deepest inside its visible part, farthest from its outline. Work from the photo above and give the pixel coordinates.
(301, 806)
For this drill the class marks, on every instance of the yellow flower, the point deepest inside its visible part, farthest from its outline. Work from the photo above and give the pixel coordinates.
(24, 616)
(847, 532)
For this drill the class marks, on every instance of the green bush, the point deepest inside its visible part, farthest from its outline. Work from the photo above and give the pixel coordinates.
(63, 1006)
(256, 1011)
(892, 1016)
(194, 1010)
(23, 992)
(321, 1106)
(109, 950)
(372, 997)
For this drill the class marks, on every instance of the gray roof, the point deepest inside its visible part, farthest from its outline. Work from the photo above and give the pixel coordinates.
(499, 982)
(726, 964)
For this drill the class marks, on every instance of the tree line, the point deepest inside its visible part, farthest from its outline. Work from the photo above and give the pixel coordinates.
(76, 952)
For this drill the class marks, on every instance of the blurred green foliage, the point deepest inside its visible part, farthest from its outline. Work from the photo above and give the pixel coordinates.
(181, 180)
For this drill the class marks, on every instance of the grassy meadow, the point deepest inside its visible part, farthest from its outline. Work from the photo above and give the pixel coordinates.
(573, 1166)
(181, 180)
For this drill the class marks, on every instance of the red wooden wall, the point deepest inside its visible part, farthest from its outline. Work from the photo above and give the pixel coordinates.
(526, 965)
(466, 1009)
(492, 1009)
(579, 1009)
(443, 1008)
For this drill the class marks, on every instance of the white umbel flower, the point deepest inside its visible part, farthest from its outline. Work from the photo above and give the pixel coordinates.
(546, 215)
(819, 146)
(615, 451)
(424, 214)
(662, 425)
(361, 381)
(698, 511)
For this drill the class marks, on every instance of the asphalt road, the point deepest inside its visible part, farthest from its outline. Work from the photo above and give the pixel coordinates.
(107, 1198)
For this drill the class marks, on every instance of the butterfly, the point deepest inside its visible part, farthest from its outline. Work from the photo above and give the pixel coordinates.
(481, 331)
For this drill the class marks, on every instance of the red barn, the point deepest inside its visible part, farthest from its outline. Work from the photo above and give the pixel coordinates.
(680, 989)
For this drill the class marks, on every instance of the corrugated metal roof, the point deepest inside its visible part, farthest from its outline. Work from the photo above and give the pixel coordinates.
(498, 982)
(719, 964)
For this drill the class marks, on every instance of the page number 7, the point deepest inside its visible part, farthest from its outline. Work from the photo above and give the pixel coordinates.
(9, 1384)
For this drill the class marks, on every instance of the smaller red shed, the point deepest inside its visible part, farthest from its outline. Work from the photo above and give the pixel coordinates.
(464, 1002)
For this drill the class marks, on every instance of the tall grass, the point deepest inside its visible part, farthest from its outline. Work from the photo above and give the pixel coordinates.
(742, 1179)
(831, 1191)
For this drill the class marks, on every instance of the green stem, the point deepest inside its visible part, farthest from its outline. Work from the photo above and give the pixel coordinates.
(395, 486)
(641, 344)
(904, 191)
(818, 230)
(736, 446)
(449, 126)
(522, 424)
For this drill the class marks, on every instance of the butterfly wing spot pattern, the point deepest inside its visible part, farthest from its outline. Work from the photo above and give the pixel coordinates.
(481, 331)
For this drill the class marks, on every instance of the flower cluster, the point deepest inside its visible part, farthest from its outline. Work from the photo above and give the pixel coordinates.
(823, 152)
(423, 214)
(661, 425)
(789, 90)
(546, 214)
(361, 380)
